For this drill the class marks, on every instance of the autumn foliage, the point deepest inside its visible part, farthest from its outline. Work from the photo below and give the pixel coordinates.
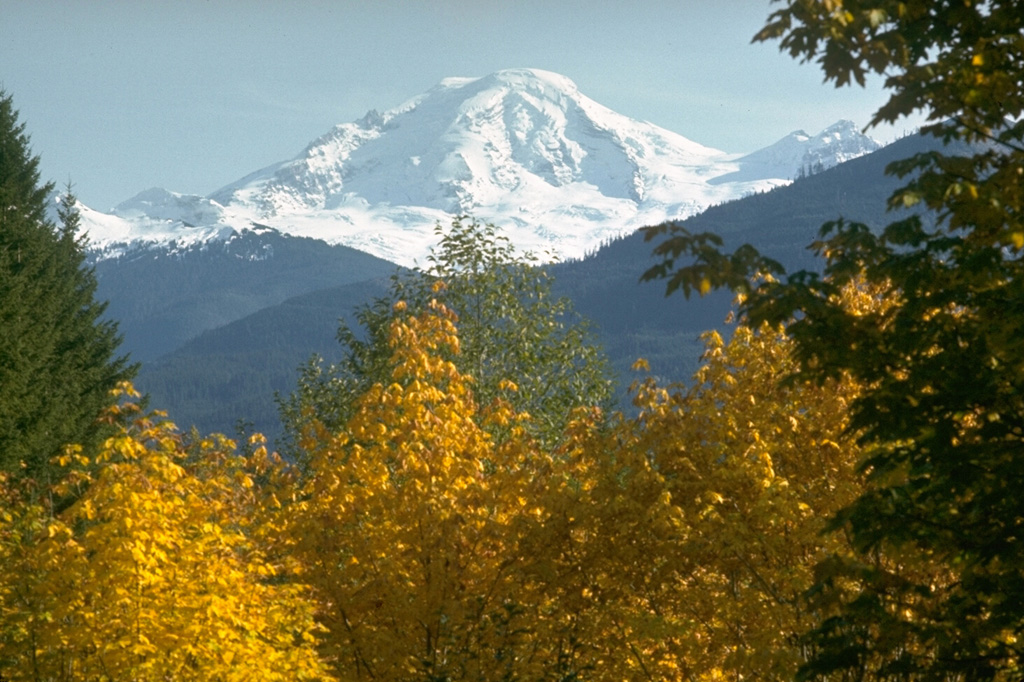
(434, 538)
(941, 411)
(154, 572)
(409, 521)
(835, 494)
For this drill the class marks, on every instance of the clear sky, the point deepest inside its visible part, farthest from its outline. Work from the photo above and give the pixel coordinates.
(189, 95)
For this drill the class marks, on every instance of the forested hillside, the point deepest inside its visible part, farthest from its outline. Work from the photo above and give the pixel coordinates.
(231, 374)
(210, 382)
(163, 298)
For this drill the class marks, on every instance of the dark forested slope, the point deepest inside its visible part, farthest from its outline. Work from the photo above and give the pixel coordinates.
(164, 298)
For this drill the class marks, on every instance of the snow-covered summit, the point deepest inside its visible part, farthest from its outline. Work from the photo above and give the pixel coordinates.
(159, 204)
(800, 154)
(522, 148)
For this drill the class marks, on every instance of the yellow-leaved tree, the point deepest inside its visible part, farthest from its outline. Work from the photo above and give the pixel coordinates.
(756, 463)
(410, 519)
(153, 573)
(442, 542)
(702, 519)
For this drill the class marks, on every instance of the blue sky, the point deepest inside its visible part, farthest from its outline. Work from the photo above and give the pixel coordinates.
(190, 95)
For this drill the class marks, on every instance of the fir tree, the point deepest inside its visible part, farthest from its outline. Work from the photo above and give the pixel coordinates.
(58, 361)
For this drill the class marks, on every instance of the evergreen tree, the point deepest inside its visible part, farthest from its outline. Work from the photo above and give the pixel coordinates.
(58, 360)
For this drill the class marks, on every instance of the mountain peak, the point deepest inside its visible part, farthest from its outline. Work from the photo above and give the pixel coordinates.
(532, 79)
(842, 126)
(522, 148)
(799, 153)
(516, 79)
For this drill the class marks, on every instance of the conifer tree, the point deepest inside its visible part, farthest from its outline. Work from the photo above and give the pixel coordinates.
(58, 359)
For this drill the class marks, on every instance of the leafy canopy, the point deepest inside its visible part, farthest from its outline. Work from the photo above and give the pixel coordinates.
(157, 571)
(942, 417)
(410, 522)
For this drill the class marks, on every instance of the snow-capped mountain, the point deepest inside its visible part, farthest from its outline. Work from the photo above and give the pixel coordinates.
(801, 154)
(521, 148)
